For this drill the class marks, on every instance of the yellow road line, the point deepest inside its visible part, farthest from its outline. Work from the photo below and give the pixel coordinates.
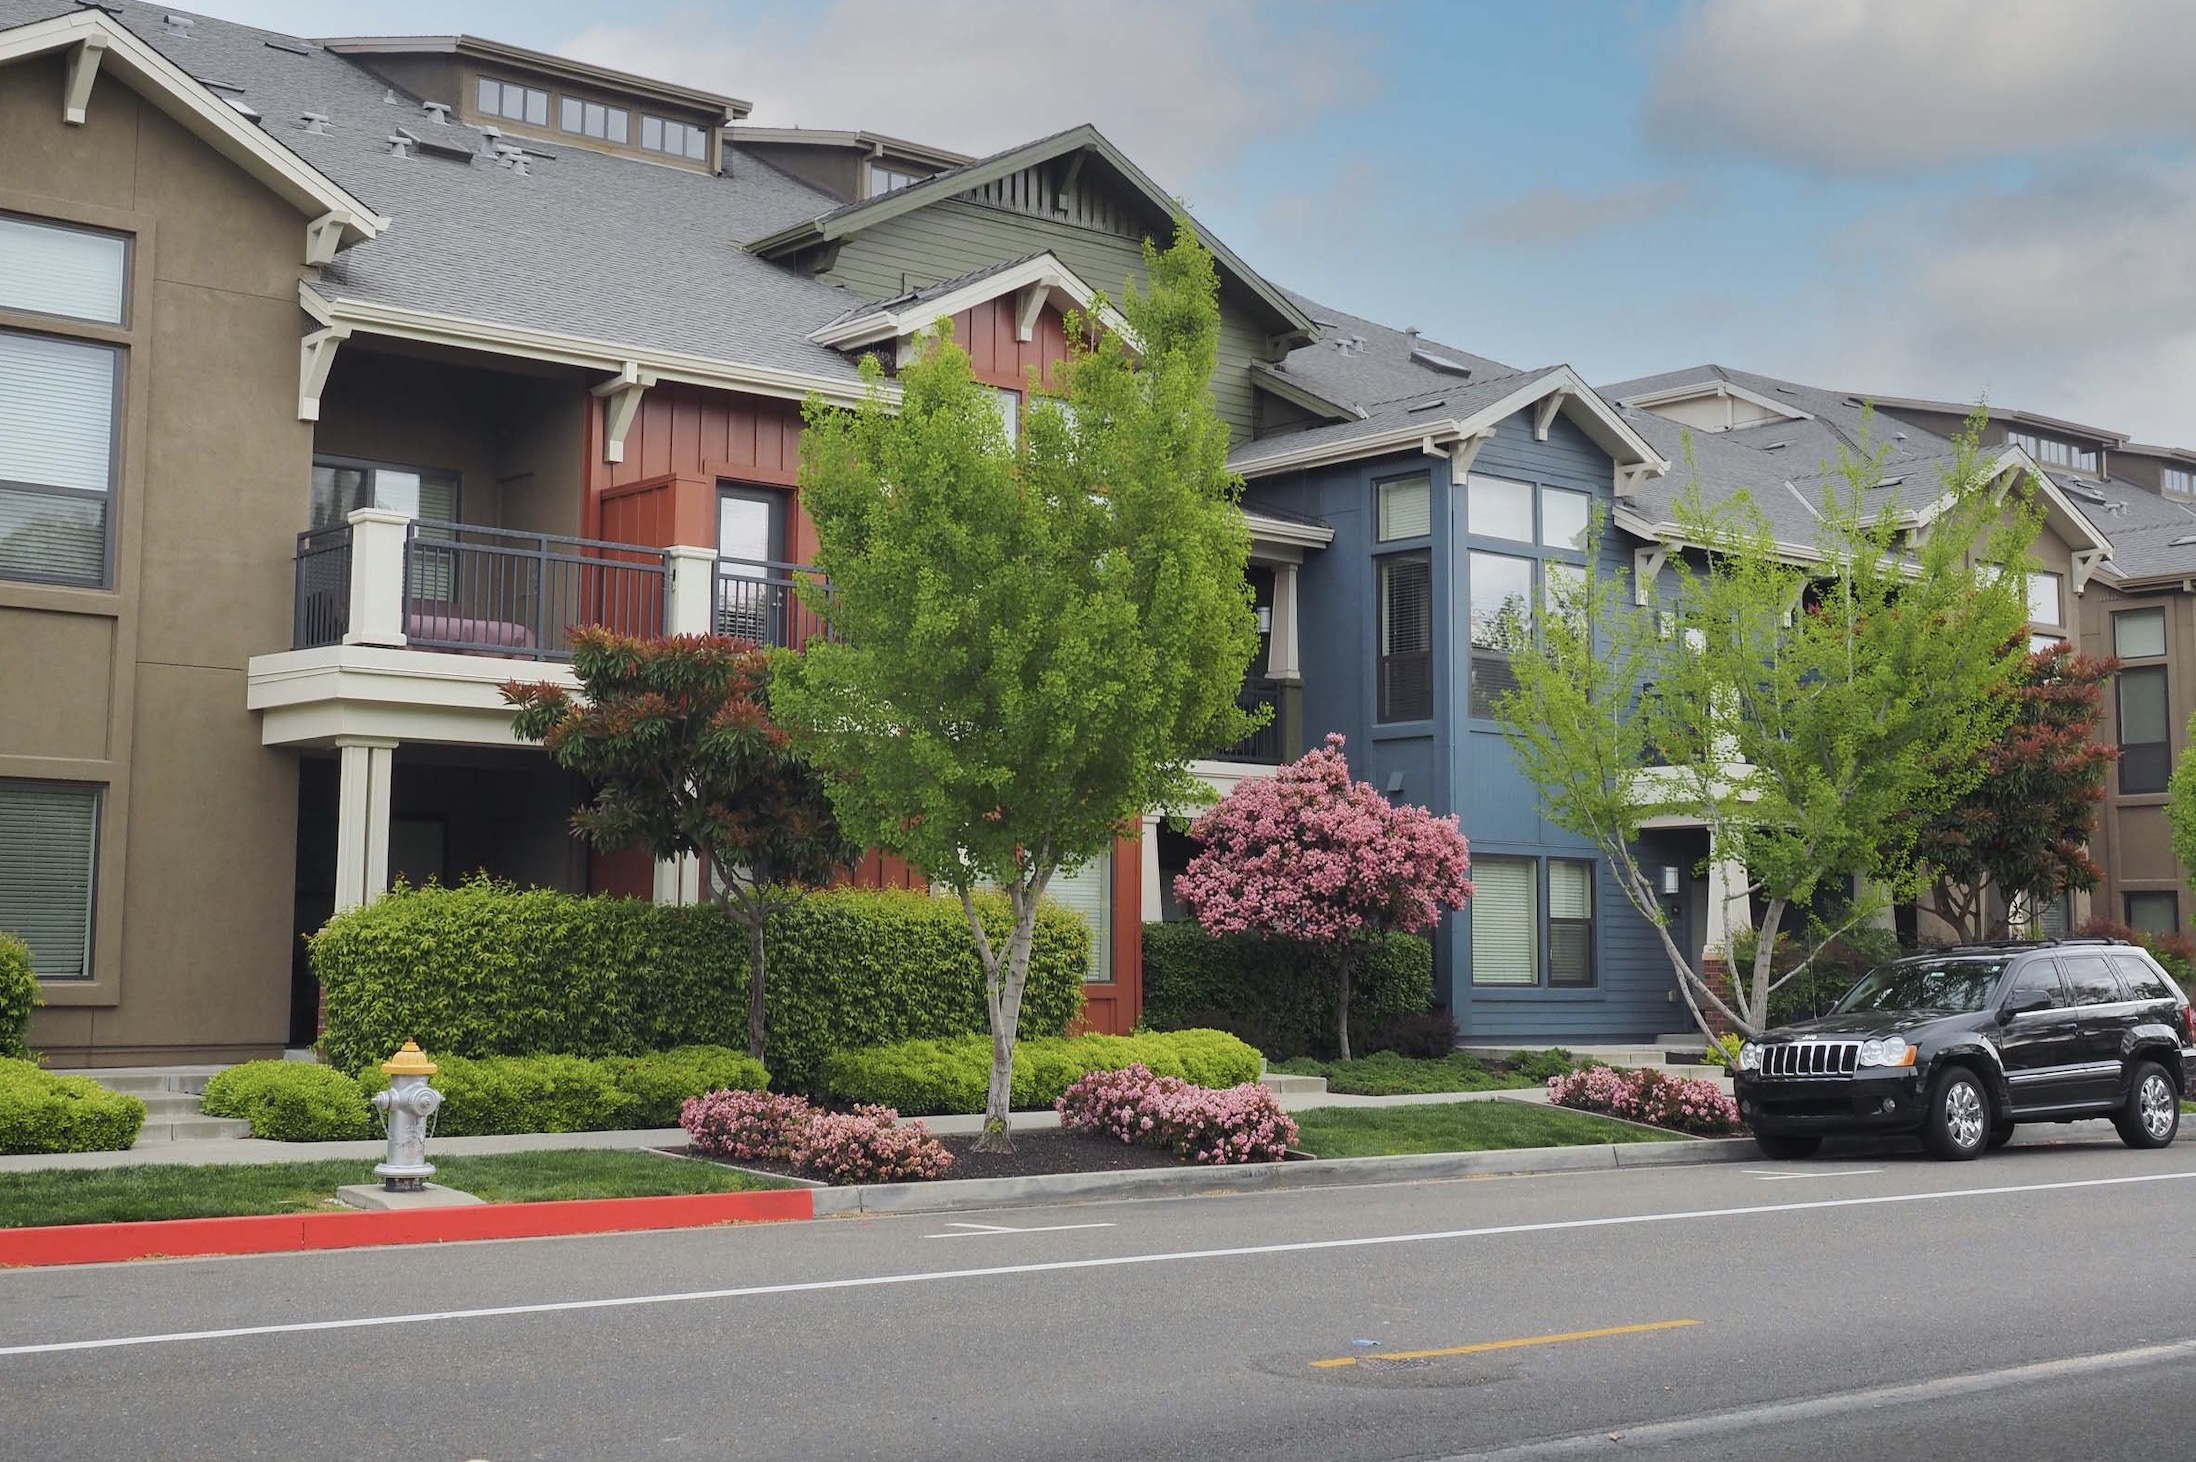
(1485, 1346)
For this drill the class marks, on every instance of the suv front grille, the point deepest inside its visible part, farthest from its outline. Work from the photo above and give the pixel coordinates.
(1811, 1058)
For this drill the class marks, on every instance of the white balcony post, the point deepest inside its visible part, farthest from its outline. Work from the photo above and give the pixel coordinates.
(1155, 894)
(362, 820)
(690, 596)
(377, 577)
(1282, 662)
(1730, 907)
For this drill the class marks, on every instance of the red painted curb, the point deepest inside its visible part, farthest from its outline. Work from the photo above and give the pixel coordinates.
(280, 1233)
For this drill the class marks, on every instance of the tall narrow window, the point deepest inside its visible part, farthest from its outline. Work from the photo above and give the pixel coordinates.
(2146, 749)
(58, 411)
(754, 600)
(1009, 406)
(49, 848)
(1502, 624)
(1088, 890)
(1570, 923)
(2044, 605)
(1505, 921)
(1406, 637)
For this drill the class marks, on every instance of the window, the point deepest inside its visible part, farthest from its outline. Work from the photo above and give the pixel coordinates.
(679, 139)
(2151, 913)
(49, 847)
(2037, 977)
(2139, 634)
(2179, 482)
(1406, 508)
(1406, 637)
(1570, 924)
(2146, 751)
(750, 538)
(1009, 406)
(2055, 919)
(1088, 890)
(1499, 508)
(1505, 921)
(2043, 599)
(2044, 641)
(1502, 623)
(1565, 518)
(48, 269)
(883, 179)
(59, 405)
(2089, 980)
(592, 119)
(341, 488)
(2141, 980)
(518, 103)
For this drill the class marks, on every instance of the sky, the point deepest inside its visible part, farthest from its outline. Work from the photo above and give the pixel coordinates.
(1964, 199)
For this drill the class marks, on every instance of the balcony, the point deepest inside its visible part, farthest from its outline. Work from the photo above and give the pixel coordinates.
(758, 599)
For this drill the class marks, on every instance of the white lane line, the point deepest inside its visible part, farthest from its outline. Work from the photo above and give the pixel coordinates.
(991, 1230)
(1060, 1266)
(1789, 1177)
(1876, 1398)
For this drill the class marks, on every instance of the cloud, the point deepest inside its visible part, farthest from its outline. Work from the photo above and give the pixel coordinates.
(1557, 215)
(1182, 88)
(1895, 86)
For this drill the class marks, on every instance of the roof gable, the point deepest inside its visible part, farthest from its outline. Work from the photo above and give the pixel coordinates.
(1037, 280)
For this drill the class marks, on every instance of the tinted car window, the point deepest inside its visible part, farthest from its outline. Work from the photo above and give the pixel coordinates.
(1931, 984)
(2037, 977)
(2089, 980)
(2143, 982)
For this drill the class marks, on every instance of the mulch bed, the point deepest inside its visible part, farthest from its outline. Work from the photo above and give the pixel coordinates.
(1034, 1153)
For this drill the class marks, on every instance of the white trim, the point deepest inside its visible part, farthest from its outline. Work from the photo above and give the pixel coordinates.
(316, 697)
(1704, 390)
(399, 323)
(1646, 568)
(1044, 277)
(315, 355)
(83, 71)
(1544, 414)
(1268, 377)
(1287, 530)
(181, 96)
(621, 396)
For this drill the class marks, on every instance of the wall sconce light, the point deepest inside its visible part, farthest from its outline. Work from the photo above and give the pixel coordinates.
(1265, 619)
(1669, 880)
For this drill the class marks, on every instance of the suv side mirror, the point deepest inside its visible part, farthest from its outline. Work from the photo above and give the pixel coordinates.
(2023, 1006)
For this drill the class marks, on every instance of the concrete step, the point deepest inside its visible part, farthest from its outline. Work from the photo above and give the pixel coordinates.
(147, 1080)
(1282, 1084)
(168, 1106)
(192, 1129)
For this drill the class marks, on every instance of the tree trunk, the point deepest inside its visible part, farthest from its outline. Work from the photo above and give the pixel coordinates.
(1003, 984)
(1754, 1013)
(755, 988)
(1345, 960)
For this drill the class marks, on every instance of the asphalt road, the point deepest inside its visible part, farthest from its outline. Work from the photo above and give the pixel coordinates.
(2033, 1305)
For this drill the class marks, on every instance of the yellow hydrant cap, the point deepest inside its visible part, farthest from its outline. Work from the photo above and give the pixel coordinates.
(409, 1060)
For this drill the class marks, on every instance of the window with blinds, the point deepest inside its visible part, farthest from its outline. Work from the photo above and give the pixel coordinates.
(1505, 921)
(1088, 890)
(57, 426)
(49, 842)
(1570, 923)
(1406, 637)
(51, 269)
(1406, 508)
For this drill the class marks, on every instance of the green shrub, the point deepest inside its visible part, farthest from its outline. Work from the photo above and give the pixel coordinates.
(1541, 1067)
(1276, 993)
(656, 1085)
(926, 1078)
(486, 969)
(292, 1101)
(18, 995)
(1725, 1051)
(497, 1095)
(41, 1112)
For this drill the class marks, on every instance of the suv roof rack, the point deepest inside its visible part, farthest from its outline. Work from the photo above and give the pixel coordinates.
(1999, 944)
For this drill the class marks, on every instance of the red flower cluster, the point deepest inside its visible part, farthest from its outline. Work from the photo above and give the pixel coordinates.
(1239, 1125)
(1648, 1096)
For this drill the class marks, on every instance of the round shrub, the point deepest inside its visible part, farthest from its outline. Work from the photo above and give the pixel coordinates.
(657, 1085)
(744, 1125)
(867, 1145)
(1239, 1125)
(1646, 1095)
(18, 996)
(41, 1112)
(292, 1101)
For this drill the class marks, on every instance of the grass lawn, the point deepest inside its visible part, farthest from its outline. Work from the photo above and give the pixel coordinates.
(147, 1191)
(1384, 1073)
(1455, 1127)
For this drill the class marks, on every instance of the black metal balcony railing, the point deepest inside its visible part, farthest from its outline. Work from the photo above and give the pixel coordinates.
(755, 599)
(322, 609)
(1264, 744)
(494, 591)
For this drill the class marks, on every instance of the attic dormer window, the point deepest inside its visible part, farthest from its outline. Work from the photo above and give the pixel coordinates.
(593, 119)
(659, 134)
(2053, 452)
(519, 103)
(883, 179)
(2179, 482)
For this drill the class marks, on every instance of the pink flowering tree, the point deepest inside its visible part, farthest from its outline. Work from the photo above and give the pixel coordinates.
(1309, 854)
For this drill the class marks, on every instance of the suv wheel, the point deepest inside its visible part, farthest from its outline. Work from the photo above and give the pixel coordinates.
(2000, 1135)
(1958, 1126)
(2153, 1112)
(1786, 1146)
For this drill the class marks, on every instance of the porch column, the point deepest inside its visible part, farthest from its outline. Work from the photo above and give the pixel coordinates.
(362, 820)
(690, 596)
(1282, 662)
(1729, 908)
(377, 577)
(1154, 900)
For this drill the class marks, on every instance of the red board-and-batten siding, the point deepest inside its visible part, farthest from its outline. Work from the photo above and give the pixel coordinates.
(686, 440)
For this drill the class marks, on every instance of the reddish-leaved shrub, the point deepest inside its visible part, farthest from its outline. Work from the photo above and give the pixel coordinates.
(1647, 1096)
(867, 1145)
(1238, 1125)
(744, 1125)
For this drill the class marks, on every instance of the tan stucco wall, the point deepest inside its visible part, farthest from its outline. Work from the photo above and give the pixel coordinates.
(2131, 843)
(141, 688)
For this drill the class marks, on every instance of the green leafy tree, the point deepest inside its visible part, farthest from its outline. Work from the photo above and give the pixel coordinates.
(1030, 641)
(675, 736)
(1810, 715)
(2181, 809)
(2023, 828)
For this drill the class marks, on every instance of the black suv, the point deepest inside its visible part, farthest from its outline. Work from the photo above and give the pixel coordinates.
(1959, 1044)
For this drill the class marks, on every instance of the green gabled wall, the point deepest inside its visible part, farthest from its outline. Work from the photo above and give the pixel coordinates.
(953, 237)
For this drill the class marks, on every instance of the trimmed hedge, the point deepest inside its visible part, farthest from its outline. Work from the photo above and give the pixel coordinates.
(495, 1095)
(41, 1112)
(292, 1101)
(1275, 993)
(18, 996)
(486, 969)
(927, 1078)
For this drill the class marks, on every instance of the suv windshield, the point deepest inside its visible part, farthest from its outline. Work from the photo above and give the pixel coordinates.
(1926, 984)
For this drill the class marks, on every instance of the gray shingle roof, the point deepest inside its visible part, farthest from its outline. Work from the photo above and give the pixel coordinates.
(1358, 362)
(1451, 399)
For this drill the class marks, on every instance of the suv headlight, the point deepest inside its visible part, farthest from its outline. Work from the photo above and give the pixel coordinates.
(1890, 1051)
(1749, 1056)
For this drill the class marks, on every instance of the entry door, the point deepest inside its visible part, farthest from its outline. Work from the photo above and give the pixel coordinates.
(751, 588)
(2039, 1048)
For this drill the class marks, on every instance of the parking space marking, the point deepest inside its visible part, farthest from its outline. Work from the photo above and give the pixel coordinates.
(1486, 1345)
(987, 1230)
(1788, 1177)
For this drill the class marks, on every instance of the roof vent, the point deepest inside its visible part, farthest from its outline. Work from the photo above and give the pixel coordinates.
(511, 155)
(179, 26)
(2186, 540)
(389, 97)
(1891, 482)
(1898, 436)
(242, 108)
(2085, 492)
(1434, 361)
(1411, 330)
(1786, 391)
(1425, 406)
(400, 143)
(315, 122)
(437, 112)
(1774, 446)
(295, 48)
(2117, 510)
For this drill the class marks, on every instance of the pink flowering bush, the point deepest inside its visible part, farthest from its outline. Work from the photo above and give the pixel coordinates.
(744, 1125)
(1238, 1125)
(867, 1145)
(1309, 854)
(1648, 1096)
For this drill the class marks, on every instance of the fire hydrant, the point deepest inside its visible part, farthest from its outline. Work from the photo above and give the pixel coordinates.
(407, 1105)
